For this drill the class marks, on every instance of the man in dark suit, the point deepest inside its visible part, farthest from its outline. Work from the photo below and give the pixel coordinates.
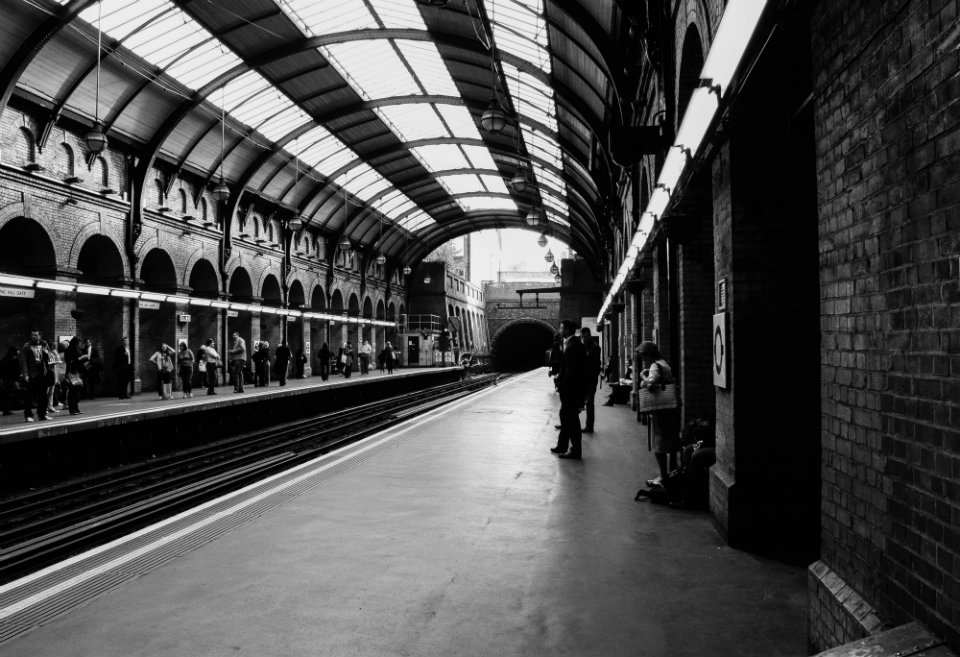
(570, 384)
(593, 366)
(123, 367)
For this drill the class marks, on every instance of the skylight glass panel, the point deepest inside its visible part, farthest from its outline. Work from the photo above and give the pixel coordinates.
(118, 18)
(480, 157)
(203, 64)
(394, 203)
(413, 122)
(281, 124)
(319, 17)
(461, 122)
(462, 184)
(323, 151)
(373, 68)
(494, 184)
(238, 91)
(398, 14)
(424, 58)
(441, 157)
(416, 221)
(557, 219)
(471, 203)
(261, 107)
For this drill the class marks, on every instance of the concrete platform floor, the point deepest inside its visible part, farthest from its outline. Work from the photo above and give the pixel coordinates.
(462, 536)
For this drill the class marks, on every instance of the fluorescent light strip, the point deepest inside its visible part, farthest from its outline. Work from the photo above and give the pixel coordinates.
(739, 21)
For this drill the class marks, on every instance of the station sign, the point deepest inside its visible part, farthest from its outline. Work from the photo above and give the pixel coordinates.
(184, 318)
(149, 305)
(17, 292)
(233, 313)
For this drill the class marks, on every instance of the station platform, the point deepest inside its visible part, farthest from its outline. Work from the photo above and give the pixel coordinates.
(110, 411)
(453, 534)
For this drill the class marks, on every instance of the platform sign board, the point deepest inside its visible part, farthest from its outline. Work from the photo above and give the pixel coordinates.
(721, 351)
(306, 347)
(17, 292)
(149, 305)
(233, 313)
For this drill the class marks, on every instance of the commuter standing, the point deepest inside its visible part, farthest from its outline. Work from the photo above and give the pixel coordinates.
(93, 368)
(210, 362)
(74, 358)
(123, 368)
(365, 352)
(665, 437)
(54, 374)
(185, 369)
(556, 359)
(283, 362)
(301, 363)
(33, 370)
(238, 361)
(347, 360)
(570, 384)
(594, 365)
(323, 357)
(261, 361)
(388, 357)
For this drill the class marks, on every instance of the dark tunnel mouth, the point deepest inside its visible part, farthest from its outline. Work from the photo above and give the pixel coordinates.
(522, 347)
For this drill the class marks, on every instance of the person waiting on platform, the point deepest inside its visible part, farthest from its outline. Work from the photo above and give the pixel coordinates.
(238, 361)
(282, 362)
(621, 388)
(593, 368)
(365, 352)
(389, 357)
(73, 357)
(663, 424)
(55, 370)
(261, 364)
(209, 362)
(163, 359)
(346, 360)
(301, 364)
(570, 384)
(93, 367)
(123, 368)
(33, 371)
(185, 360)
(323, 360)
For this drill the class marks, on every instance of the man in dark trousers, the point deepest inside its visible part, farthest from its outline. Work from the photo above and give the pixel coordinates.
(570, 385)
(123, 368)
(33, 370)
(282, 361)
(593, 365)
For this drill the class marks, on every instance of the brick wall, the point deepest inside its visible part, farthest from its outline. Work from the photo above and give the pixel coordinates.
(888, 154)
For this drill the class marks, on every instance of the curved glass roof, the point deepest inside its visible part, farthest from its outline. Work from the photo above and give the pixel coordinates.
(378, 99)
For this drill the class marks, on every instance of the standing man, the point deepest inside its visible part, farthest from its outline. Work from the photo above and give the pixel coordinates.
(33, 370)
(123, 368)
(570, 383)
(282, 354)
(238, 361)
(365, 351)
(593, 366)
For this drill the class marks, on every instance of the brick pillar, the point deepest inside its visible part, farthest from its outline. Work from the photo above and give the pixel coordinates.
(696, 303)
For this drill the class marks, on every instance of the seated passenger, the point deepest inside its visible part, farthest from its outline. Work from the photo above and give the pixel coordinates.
(621, 389)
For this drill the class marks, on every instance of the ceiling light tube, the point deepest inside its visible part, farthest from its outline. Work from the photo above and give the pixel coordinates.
(16, 280)
(219, 304)
(180, 301)
(672, 170)
(93, 289)
(200, 302)
(56, 285)
(697, 119)
(126, 294)
(153, 296)
(737, 25)
(658, 202)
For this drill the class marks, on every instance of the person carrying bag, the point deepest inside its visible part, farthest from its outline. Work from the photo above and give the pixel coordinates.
(657, 403)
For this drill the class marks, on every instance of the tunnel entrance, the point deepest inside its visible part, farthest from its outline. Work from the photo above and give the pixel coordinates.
(521, 347)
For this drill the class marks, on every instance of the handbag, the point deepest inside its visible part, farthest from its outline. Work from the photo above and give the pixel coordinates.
(74, 379)
(660, 397)
(202, 366)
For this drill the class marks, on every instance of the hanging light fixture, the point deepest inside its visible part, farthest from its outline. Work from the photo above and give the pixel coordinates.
(557, 278)
(381, 259)
(97, 139)
(554, 269)
(295, 223)
(549, 256)
(221, 191)
(406, 254)
(345, 245)
(522, 176)
(543, 239)
(494, 119)
(534, 217)
(406, 270)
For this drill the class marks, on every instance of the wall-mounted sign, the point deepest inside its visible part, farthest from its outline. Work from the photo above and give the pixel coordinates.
(306, 347)
(721, 351)
(17, 292)
(149, 305)
(184, 318)
(233, 313)
(722, 294)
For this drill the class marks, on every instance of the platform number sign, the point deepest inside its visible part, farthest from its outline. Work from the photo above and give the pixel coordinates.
(721, 351)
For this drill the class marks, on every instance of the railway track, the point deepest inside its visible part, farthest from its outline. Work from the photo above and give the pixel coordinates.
(46, 526)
